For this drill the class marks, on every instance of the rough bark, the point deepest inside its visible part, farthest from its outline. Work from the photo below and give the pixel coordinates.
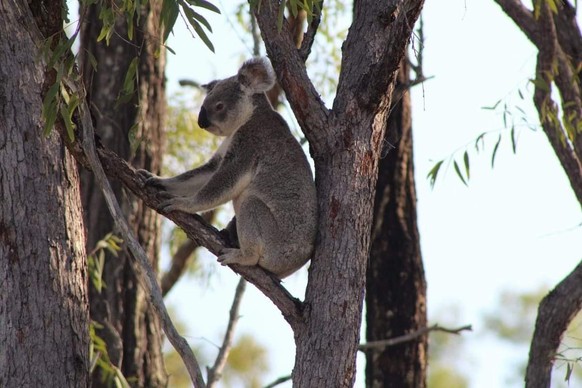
(122, 306)
(44, 312)
(556, 310)
(559, 42)
(396, 287)
(345, 145)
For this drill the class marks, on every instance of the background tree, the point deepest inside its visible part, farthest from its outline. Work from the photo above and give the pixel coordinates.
(44, 312)
(396, 287)
(552, 27)
(124, 78)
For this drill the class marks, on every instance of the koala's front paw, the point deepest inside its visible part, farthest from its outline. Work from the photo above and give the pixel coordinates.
(149, 179)
(173, 203)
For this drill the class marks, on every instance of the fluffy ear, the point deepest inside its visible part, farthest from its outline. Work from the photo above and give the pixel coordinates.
(256, 75)
(209, 86)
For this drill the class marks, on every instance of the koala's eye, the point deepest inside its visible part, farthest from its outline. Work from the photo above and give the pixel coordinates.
(219, 106)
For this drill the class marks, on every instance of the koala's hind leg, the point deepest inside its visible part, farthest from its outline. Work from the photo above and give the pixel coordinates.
(254, 223)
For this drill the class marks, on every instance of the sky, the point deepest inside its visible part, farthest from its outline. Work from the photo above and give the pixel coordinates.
(516, 226)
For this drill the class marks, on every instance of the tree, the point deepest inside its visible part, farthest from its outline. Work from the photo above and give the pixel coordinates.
(345, 143)
(552, 27)
(44, 311)
(113, 69)
(396, 287)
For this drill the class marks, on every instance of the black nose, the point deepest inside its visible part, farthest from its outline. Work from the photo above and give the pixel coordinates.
(203, 121)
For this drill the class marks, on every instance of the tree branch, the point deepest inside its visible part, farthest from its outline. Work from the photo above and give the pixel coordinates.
(380, 345)
(548, 59)
(146, 274)
(369, 70)
(309, 109)
(280, 380)
(521, 16)
(555, 313)
(309, 36)
(215, 373)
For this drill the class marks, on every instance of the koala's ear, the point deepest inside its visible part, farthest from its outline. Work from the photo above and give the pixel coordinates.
(256, 75)
(209, 86)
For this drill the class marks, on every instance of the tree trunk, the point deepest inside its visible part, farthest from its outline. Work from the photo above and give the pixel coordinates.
(396, 287)
(133, 337)
(44, 313)
(345, 143)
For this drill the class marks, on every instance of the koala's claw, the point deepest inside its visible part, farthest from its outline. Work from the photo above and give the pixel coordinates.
(229, 256)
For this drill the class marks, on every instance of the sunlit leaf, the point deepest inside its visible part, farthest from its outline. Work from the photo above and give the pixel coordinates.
(466, 163)
(458, 171)
(432, 174)
(495, 151)
(168, 16)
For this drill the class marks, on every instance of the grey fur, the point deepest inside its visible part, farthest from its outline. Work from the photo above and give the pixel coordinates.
(260, 166)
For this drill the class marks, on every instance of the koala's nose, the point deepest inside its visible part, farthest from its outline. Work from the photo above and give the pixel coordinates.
(203, 121)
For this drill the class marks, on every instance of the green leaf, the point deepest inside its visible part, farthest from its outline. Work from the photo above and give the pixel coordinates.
(520, 93)
(480, 141)
(200, 32)
(69, 126)
(466, 163)
(458, 171)
(205, 4)
(569, 370)
(513, 140)
(495, 151)
(293, 7)
(493, 107)
(281, 15)
(432, 174)
(192, 16)
(130, 77)
(168, 16)
(50, 108)
(541, 84)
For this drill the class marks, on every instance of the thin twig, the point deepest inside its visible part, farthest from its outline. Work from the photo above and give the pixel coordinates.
(144, 271)
(215, 373)
(309, 36)
(379, 345)
(280, 380)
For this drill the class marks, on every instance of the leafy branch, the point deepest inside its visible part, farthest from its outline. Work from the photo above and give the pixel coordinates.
(461, 157)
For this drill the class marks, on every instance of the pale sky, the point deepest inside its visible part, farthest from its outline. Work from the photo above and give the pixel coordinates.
(516, 227)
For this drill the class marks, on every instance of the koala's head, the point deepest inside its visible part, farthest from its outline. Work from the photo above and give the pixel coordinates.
(229, 102)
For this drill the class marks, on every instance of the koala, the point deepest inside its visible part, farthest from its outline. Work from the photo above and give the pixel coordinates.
(259, 166)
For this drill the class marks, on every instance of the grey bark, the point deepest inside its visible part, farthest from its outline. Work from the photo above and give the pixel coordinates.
(44, 312)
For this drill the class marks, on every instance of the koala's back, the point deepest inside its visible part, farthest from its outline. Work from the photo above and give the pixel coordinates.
(281, 178)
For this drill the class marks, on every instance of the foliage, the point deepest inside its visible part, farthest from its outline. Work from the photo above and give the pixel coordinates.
(514, 120)
(444, 353)
(514, 323)
(99, 357)
(310, 7)
(171, 10)
(59, 103)
(96, 258)
(247, 362)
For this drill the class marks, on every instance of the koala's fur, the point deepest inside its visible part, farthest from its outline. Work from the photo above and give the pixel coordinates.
(259, 166)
